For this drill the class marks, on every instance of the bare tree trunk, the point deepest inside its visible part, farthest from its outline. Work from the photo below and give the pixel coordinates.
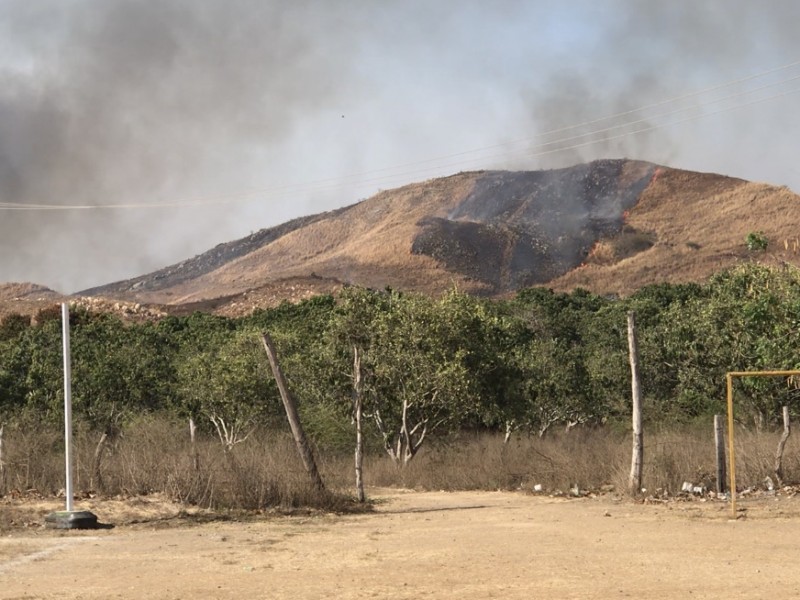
(410, 440)
(637, 459)
(404, 441)
(192, 438)
(291, 414)
(388, 444)
(787, 431)
(97, 475)
(759, 420)
(358, 409)
(509, 431)
(719, 444)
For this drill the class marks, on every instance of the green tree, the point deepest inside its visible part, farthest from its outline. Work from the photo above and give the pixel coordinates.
(225, 379)
(414, 365)
(119, 370)
(572, 362)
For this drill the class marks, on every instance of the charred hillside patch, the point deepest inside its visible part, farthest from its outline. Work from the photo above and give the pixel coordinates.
(522, 228)
(501, 256)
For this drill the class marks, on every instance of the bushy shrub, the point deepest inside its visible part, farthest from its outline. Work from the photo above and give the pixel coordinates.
(756, 241)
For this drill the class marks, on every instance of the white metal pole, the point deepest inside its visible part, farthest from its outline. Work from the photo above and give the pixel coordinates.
(67, 402)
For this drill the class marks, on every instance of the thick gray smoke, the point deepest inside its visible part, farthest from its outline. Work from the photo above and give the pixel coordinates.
(128, 102)
(649, 51)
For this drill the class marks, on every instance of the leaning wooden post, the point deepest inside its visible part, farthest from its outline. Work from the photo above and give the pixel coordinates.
(787, 431)
(719, 444)
(637, 460)
(358, 410)
(300, 440)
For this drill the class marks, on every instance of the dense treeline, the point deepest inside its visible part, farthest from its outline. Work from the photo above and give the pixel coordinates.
(428, 366)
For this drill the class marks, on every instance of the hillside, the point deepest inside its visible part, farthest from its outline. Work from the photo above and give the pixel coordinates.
(487, 232)
(610, 226)
(25, 298)
(691, 226)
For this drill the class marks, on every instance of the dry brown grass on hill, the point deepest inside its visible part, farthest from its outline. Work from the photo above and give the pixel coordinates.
(630, 223)
(698, 224)
(25, 298)
(25, 291)
(369, 244)
(29, 299)
(270, 295)
(684, 227)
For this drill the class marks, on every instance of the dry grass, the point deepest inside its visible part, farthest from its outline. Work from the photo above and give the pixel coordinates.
(698, 223)
(612, 250)
(685, 227)
(483, 461)
(155, 457)
(25, 298)
(591, 459)
(361, 245)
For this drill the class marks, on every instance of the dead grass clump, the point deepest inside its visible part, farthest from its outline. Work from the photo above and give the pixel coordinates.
(602, 253)
(15, 516)
(628, 243)
(154, 456)
(589, 459)
(674, 457)
(33, 458)
(755, 457)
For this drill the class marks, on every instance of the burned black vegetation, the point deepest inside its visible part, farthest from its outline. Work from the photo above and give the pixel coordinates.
(517, 229)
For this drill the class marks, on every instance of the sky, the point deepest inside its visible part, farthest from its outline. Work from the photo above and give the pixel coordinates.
(135, 134)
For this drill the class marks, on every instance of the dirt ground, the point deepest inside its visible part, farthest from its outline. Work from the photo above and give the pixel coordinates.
(464, 545)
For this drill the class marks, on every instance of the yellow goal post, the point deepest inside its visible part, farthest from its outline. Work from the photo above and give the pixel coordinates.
(732, 458)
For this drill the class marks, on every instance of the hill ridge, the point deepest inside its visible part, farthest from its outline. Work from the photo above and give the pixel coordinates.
(610, 226)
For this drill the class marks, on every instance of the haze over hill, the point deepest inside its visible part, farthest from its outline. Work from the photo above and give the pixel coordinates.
(133, 133)
(610, 226)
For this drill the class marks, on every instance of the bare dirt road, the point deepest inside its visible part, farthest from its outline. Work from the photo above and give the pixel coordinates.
(465, 545)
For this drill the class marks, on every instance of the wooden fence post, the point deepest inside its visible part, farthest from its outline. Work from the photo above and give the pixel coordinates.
(719, 444)
(303, 447)
(637, 459)
(358, 410)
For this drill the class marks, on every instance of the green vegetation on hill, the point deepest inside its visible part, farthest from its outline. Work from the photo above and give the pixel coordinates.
(430, 366)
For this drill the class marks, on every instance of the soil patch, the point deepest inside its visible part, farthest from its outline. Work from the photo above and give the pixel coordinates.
(467, 545)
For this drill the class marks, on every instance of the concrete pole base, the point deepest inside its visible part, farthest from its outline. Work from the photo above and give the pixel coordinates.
(71, 519)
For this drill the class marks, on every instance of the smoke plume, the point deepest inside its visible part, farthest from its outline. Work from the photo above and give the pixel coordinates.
(172, 103)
